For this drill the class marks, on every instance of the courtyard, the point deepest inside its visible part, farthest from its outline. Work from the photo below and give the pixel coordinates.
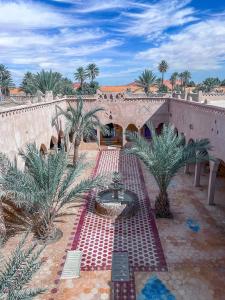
(182, 258)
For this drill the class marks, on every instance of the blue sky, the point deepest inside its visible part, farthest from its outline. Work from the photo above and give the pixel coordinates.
(123, 37)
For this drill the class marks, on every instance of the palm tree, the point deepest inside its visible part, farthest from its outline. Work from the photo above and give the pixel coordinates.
(92, 71)
(6, 81)
(80, 75)
(210, 83)
(33, 199)
(45, 81)
(17, 271)
(80, 124)
(146, 80)
(27, 83)
(186, 78)
(164, 157)
(163, 67)
(173, 80)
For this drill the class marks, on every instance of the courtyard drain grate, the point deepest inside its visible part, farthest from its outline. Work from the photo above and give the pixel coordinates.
(72, 265)
(120, 266)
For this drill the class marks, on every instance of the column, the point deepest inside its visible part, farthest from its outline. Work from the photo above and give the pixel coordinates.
(124, 137)
(186, 169)
(98, 138)
(212, 181)
(198, 167)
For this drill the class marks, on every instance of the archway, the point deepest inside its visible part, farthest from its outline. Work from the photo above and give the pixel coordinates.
(176, 131)
(183, 139)
(130, 128)
(114, 137)
(216, 188)
(159, 129)
(61, 140)
(146, 132)
(43, 150)
(53, 143)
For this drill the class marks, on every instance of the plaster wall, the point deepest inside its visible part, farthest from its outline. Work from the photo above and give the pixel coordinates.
(200, 121)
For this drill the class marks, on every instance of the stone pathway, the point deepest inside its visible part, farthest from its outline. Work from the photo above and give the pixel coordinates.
(98, 237)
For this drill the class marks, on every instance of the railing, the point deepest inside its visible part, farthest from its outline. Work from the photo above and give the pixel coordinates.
(17, 98)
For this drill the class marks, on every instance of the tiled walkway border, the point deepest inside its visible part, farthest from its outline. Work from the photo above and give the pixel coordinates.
(121, 287)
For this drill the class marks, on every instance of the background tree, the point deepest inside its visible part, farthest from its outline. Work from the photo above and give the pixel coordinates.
(34, 198)
(173, 80)
(27, 84)
(92, 71)
(6, 81)
(66, 87)
(17, 271)
(164, 157)
(44, 81)
(80, 75)
(80, 124)
(181, 77)
(88, 88)
(186, 78)
(210, 83)
(222, 82)
(146, 80)
(163, 67)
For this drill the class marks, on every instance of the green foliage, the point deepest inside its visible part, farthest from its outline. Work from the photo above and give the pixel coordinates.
(191, 84)
(92, 71)
(17, 271)
(173, 80)
(167, 154)
(27, 84)
(47, 81)
(146, 80)
(210, 83)
(66, 87)
(222, 82)
(80, 75)
(80, 123)
(6, 81)
(163, 67)
(163, 89)
(184, 78)
(88, 88)
(35, 197)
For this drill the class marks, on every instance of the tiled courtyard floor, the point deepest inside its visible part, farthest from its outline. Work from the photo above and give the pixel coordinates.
(193, 244)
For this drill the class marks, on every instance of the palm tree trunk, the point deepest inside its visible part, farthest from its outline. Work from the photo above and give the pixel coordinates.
(76, 152)
(2, 223)
(162, 206)
(162, 78)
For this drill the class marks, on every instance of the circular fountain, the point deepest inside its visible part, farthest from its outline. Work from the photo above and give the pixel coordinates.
(116, 202)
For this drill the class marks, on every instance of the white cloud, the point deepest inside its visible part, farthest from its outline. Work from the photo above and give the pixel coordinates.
(200, 46)
(157, 17)
(98, 5)
(63, 37)
(16, 15)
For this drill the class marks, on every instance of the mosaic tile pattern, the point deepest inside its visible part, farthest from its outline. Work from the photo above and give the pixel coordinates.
(193, 225)
(98, 237)
(155, 289)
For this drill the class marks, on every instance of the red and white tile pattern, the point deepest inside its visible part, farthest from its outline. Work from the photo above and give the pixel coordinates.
(98, 237)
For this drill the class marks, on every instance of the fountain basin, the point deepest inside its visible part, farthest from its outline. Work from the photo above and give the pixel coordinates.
(126, 206)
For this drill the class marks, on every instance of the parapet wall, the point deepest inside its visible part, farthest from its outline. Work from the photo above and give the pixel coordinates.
(33, 122)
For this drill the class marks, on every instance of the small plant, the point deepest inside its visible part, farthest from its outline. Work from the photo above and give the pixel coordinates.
(17, 271)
